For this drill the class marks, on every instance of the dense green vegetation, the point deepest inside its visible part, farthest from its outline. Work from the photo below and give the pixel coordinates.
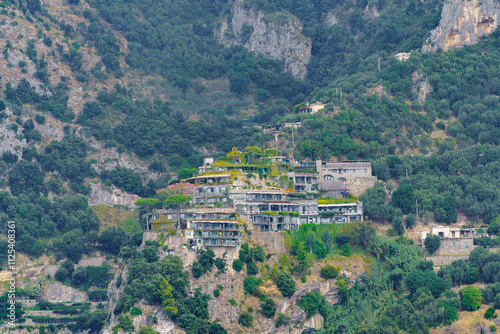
(377, 117)
(165, 282)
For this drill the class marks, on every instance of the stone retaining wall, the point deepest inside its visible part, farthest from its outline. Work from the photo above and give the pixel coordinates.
(446, 260)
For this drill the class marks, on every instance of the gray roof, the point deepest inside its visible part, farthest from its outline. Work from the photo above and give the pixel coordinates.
(348, 164)
(332, 185)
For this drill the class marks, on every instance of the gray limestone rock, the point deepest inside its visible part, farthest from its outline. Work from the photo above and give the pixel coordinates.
(463, 22)
(275, 36)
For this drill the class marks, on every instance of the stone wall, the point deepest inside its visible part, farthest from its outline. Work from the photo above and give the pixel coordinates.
(455, 246)
(446, 260)
(358, 186)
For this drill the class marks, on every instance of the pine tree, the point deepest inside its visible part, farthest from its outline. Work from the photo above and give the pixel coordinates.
(168, 301)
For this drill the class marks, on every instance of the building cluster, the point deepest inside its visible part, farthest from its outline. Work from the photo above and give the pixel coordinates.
(270, 194)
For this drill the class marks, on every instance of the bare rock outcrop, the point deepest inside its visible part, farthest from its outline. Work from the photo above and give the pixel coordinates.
(275, 36)
(463, 22)
(110, 196)
(57, 292)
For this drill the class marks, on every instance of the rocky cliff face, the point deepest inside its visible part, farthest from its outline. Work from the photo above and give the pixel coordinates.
(463, 22)
(275, 36)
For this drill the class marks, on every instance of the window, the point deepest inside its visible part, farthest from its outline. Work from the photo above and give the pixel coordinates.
(466, 244)
(453, 244)
(366, 170)
(441, 234)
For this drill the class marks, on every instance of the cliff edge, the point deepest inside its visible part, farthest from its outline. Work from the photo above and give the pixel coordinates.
(463, 22)
(276, 36)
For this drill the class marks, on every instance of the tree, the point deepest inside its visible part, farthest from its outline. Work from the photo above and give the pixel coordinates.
(150, 253)
(286, 284)
(310, 302)
(327, 239)
(432, 243)
(302, 257)
(309, 241)
(363, 234)
(237, 265)
(252, 268)
(343, 287)
(416, 279)
(310, 149)
(148, 204)
(251, 284)
(252, 153)
(341, 239)
(61, 274)
(185, 173)
(177, 202)
(197, 269)
(471, 298)
(259, 254)
(410, 220)
(404, 198)
(167, 298)
(397, 225)
(493, 228)
(268, 308)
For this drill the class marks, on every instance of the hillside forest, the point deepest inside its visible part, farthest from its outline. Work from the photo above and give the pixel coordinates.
(148, 83)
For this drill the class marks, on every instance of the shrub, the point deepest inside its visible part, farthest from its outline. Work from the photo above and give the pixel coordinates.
(237, 265)
(310, 302)
(259, 254)
(268, 308)
(490, 313)
(471, 298)
(283, 320)
(245, 319)
(346, 250)
(216, 293)
(232, 302)
(252, 268)
(135, 311)
(220, 263)
(497, 301)
(342, 239)
(197, 269)
(251, 283)
(328, 272)
(286, 284)
(40, 119)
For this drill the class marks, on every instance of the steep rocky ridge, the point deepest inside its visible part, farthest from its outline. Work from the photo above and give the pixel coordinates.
(463, 22)
(276, 36)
